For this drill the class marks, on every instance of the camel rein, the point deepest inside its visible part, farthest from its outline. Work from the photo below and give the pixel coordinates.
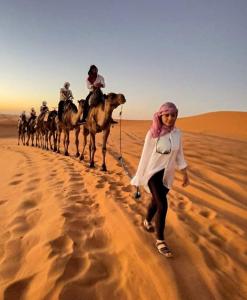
(120, 158)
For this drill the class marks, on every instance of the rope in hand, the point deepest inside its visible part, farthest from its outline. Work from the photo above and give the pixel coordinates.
(121, 160)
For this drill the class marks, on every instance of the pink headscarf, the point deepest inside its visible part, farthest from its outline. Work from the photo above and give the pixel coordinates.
(158, 128)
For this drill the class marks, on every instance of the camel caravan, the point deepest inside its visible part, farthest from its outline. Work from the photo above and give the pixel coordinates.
(94, 115)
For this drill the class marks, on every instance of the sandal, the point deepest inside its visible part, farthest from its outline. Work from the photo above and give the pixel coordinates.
(148, 226)
(163, 248)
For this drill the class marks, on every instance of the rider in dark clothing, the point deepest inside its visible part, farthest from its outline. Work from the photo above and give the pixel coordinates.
(32, 115)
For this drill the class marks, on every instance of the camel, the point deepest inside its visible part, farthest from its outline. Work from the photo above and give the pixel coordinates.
(31, 129)
(22, 124)
(70, 118)
(99, 119)
(41, 131)
(50, 127)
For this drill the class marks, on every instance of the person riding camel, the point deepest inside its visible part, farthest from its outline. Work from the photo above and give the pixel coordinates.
(22, 117)
(44, 108)
(94, 83)
(32, 115)
(65, 96)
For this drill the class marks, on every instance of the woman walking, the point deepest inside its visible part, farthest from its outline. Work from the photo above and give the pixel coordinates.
(162, 153)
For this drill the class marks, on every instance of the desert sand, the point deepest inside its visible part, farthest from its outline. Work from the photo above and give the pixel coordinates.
(69, 232)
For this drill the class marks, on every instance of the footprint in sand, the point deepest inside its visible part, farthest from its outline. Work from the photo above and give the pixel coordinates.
(17, 289)
(11, 262)
(184, 205)
(127, 189)
(208, 214)
(19, 174)
(61, 246)
(15, 182)
(27, 204)
(100, 185)
(3, 202)
(97, 240)
(220, 231)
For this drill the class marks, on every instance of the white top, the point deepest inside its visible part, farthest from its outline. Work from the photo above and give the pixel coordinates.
(99, 79)
(65, 94)
(152, 162)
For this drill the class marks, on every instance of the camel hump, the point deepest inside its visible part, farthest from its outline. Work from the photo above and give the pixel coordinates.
(96, 98)
(70, 106)
(52, 114)
(46, 116)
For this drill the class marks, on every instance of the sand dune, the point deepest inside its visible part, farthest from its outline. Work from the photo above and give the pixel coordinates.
(69, 232)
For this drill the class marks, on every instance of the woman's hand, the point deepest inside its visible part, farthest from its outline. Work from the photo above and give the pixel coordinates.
(98, 85)
(186, 180)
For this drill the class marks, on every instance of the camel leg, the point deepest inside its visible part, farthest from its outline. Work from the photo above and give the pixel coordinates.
(54, 141)
(50, 135)
(47, 140)
(58, 140)
(77, 131)
(85, 135)
(32, 138)
(66, 143)
(28, 138)
(42, 141)
(23, 138)
(19, 137)
(105, 137)
(37, 139)
(92, 150)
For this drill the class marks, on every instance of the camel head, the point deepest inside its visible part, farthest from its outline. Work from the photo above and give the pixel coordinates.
(113, 100)
(81, 103)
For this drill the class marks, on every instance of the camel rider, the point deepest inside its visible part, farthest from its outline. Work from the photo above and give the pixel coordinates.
(32, 115)
(65, 96)
(94, 83)
(22, 117)
(44, 108)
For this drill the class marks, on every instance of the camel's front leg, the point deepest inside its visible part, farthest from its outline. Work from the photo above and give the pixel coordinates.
(66, 142)
(54, 141)
(49, 138)
(77, 131)
(105, 137)
(19, 136)
(23, 138)
(32, 138)
(92, 149)
(37, 139)
(46, 140)
(85, 134)
(59, 139)
(28, 138)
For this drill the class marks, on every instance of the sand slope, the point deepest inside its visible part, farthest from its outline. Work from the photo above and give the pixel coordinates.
(68, 232)
(228, 124)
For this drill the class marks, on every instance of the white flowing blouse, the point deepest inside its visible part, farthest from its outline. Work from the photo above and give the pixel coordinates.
(99, 79)
(152, 161)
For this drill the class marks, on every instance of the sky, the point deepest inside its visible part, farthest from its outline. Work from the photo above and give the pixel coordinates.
(190, 52)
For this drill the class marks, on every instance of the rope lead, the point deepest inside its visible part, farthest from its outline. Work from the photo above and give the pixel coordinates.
(137, 194)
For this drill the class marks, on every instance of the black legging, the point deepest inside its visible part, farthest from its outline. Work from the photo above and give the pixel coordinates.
(158, 204)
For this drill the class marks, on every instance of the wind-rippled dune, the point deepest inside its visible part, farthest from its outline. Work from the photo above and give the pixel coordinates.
(68, 232)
